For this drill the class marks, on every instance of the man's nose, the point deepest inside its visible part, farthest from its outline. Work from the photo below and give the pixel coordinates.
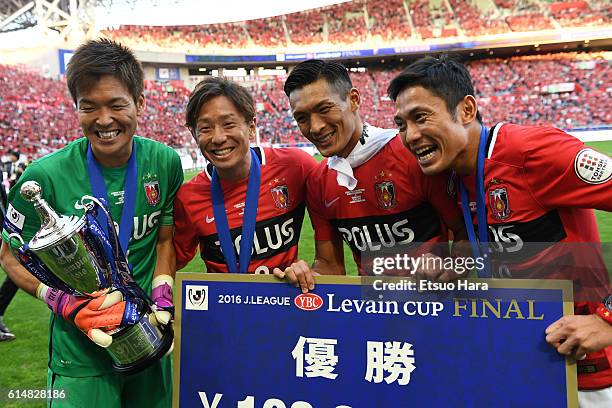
(105, 118)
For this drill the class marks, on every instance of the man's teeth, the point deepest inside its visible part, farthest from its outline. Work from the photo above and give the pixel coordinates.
(108, 135)
(221, 152)
(325, 138)
(427, 156)
(425, 153)
(421, 150)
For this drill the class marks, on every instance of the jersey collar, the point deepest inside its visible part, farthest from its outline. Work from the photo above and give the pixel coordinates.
(492, 138)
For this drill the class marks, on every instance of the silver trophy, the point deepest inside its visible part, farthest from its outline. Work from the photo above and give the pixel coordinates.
(76, 255)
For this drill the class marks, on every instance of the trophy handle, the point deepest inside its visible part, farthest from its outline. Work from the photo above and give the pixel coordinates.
(16, 237)
(122, 277)
(88, 206)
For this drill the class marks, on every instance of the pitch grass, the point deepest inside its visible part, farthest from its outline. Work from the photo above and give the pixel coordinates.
(23, 363)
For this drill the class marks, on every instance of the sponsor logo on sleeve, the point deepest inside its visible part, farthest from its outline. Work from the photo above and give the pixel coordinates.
(197, 297)
(15, 218)
(593, 167)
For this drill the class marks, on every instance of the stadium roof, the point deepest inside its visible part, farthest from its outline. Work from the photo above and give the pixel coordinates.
(16, 14)
(196, 12)
(19, 14)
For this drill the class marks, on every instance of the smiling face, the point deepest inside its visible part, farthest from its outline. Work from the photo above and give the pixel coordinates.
(108, 116)
(329, 121)
(437, 139)
(223, 135)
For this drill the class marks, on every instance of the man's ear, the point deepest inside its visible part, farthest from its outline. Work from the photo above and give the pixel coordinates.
(467, 110)
(253, 130)
(355, 99)
(141, 104)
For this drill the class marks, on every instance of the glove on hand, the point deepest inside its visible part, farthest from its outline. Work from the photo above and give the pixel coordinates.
(161, 294)
(94, 316)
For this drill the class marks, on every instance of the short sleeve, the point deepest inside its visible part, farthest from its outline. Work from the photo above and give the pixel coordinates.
(185, 238)
(323, 230)
(21, 217)
(563, 172)
(175, 180)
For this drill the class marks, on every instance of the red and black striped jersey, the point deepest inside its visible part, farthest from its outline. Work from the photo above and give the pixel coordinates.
(541, 186)
(280, 213)
(393, 205)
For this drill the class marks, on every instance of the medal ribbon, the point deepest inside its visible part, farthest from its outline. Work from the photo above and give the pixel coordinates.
(98, 189)
(480, 246)
(248, 221)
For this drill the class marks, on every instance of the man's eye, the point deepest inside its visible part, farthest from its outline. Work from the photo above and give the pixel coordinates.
(205, 129)
(421, 118)
(325, 109)
(118, 107)
(86, 109)
(229, 125)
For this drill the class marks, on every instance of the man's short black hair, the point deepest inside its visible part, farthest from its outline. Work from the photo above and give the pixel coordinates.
(14, 152)
(443, 76)
(97, 58)
(212, 87)
(312, 70)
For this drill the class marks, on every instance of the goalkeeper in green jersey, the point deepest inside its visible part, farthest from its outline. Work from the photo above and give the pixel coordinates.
(106, 83)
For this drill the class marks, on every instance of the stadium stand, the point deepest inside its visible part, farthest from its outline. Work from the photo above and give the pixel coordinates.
(372, 21)
(306, 27)
(388, 20)
(567, 90)
(579, 13)
(346, 23)
(38, 114)
(186, 38)
(476, 21)
(268, 33)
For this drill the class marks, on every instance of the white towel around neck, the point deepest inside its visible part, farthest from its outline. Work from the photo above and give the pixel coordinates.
(372, 140)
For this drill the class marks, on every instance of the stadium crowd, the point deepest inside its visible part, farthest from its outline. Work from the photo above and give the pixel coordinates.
(37, 114)
(566, 90)
(372, 21)
(385, 20)
(346, 23)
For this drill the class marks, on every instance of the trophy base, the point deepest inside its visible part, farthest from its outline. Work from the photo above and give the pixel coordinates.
(135, 348)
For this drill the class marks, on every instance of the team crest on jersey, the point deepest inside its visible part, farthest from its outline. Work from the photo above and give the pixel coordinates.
(593, 167)
(280, 192)
(151, 187)
(498, 202)
(152, 191)
(385, 191)
(281, 196)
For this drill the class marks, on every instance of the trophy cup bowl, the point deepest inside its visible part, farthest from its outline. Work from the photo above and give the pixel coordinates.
(67, 253)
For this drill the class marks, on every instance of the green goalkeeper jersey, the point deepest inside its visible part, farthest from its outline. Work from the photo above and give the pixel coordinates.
(64, 180)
